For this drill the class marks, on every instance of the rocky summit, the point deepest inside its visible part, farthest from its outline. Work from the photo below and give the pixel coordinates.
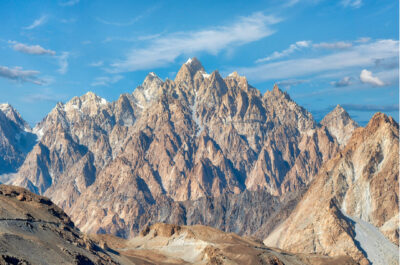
(203, 149)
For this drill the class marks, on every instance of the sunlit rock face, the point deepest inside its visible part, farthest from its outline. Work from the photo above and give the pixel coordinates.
(110, 164)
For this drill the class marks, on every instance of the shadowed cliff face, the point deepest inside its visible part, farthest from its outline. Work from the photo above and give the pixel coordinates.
(200, 135)
(352, 206)
(16, 140)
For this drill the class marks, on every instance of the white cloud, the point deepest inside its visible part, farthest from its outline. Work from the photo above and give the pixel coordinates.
(164, 50)
(69, 3)
(38, 22)
(106, 80)
(367, 77)
(333, 45)
(96, 64)
(351, 3)
(362, 55)
(345, 81)
(292, 48)
(63, 62)
(33, 49)
(19, 75)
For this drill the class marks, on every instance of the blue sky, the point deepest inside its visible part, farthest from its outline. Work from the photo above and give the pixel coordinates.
(322, 52)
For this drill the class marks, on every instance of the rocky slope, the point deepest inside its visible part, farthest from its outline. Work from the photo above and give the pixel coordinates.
(16, 140)
(35, 231)
(173, 244)
(200, 135)
(352, 206)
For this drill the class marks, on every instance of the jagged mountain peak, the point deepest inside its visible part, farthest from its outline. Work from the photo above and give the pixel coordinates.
(88, 100)
(188, 70)
(5, 106)
(152, 80)
(379, 119)
(339, 124)
(194, 64)
(279, 92)
(234, 74)
(12, 114)
(148, 90)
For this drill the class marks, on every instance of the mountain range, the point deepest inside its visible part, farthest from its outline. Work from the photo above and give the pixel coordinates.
(203, 149)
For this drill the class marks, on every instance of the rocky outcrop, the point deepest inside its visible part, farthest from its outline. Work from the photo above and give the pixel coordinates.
(35, 231)
(351, 207)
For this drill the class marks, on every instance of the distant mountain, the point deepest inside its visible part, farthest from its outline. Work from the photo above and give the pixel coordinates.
(352, 206)
(16, 139)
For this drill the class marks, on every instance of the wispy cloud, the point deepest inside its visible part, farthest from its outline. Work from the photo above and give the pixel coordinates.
(120, 24)
(69, 3)
(20, 75)
(44, 94)
(38, 22)
(292, 48)
(333, 45)
(63, 62)
(31, 49)
(68, 20)
(363, 39)
(106, 80)
(131, 21)
(372, 108)
(367, 77)
(299, 45)
(287, 84)
(345, 81)
(132, 39)
(96, 64)
(164, 50)
(361, 55)
(351, 3)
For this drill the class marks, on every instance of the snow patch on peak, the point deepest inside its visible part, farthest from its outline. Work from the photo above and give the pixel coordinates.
(189, 61)
(39, 133)
(5, 106)
(233, 74)
(205, 75)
